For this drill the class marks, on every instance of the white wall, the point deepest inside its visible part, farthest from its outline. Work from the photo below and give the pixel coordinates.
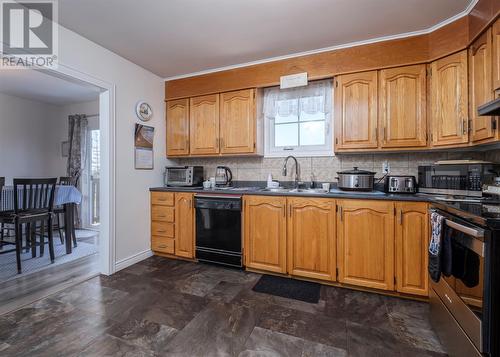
(132, 83)
(29, 139)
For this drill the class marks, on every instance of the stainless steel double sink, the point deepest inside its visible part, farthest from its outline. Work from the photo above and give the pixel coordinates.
(317, 191)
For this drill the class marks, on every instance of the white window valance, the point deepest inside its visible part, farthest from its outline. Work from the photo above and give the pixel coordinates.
(312, 99)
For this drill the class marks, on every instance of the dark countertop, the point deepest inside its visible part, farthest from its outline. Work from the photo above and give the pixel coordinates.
(258, 191)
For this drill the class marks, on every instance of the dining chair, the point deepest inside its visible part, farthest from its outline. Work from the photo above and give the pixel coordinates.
(59, 212)
(2, 224)
(33, 202)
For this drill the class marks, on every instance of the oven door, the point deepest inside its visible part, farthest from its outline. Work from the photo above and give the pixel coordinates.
(462, 284)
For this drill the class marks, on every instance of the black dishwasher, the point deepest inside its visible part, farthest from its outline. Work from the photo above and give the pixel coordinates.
(218, 229)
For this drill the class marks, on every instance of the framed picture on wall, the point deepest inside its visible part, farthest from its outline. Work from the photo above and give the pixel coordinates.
(65, 149)
(143, 150)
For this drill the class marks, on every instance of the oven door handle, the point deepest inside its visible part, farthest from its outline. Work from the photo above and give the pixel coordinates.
(472, 231)
(476, 233)
(475, 244)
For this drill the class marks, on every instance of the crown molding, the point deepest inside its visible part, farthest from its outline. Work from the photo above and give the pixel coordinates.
(426, 31)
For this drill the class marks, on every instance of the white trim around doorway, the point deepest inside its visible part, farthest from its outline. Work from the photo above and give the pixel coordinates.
(107, 127)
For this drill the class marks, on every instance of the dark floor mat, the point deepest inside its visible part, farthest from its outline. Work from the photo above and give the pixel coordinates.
(288, 288)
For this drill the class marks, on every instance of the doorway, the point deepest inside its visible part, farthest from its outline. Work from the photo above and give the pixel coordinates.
(98, 214)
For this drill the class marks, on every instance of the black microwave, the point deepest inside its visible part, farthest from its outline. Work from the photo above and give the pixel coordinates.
(456, 179)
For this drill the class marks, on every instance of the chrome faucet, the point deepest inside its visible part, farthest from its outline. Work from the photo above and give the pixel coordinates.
(296, 176)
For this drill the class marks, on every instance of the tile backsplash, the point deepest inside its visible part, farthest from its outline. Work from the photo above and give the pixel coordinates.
(325, 168)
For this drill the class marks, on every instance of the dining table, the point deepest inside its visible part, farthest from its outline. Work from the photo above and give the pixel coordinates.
(65, 195)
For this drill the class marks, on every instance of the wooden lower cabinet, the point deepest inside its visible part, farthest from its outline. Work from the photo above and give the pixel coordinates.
(412, 239)
(368, 243)
(311, 238)
(172, 223)
(184, 225)
(365, 243)
(265, 233)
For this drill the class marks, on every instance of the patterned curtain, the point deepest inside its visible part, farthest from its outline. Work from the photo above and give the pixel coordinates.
(77, 137)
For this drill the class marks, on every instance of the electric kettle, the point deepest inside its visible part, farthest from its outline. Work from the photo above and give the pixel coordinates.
(223, 176)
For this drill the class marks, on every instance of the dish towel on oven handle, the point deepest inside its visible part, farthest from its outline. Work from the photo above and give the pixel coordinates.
(435, 246)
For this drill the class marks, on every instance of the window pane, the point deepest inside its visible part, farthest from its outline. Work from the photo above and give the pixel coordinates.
(286, 135)
(316, 116)
(285, 119)
(287, 111)
(312, 108)
(312, 133)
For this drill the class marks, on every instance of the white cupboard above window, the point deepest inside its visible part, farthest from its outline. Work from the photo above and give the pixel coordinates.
(298, 120)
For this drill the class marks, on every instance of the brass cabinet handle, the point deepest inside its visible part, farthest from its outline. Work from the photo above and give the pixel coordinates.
(162, 246)
(221, 142)
(400, 216)
(161, 231)
(464, 126)
(341, 213)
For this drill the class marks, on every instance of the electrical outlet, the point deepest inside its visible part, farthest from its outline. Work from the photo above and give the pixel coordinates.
(386, 168)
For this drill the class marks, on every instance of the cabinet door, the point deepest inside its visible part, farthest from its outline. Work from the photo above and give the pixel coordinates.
(449, 100)
(204, 125)
(178, 127)
(496, 55)
(184, 225)
(481, 88)
(311, 238)
(402, 107)
(237, 122)
(365, 240)
(356, 111)
(265, 233)
(412, 240)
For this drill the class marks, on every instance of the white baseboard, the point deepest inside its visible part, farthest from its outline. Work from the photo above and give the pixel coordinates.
(136, 258)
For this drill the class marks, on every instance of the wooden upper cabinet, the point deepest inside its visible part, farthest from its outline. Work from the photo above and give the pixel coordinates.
(356, 111)
(184, 225)
(365, 243)
(265, 233)
(178, 127)
(481, 87)
(412, 240)
(204, 124)
(238, 122)
(449, 100)
(496, 54)
(402, 107)
(311, 238)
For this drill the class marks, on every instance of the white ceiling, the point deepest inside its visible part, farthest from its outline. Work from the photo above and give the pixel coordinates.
(45, 88)
(176, 37)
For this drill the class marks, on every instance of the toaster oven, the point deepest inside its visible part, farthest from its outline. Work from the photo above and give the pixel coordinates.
(183, 176)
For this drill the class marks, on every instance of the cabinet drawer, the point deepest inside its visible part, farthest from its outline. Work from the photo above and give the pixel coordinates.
(162, 244)
(162, 198)
(163, 229)
(162, 213)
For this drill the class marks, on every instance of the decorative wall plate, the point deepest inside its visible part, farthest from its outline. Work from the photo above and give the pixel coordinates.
(144, 111)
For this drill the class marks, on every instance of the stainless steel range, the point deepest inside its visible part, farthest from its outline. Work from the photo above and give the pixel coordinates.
(465, 302)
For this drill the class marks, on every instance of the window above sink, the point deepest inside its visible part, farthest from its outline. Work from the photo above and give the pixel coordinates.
(298, 120)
